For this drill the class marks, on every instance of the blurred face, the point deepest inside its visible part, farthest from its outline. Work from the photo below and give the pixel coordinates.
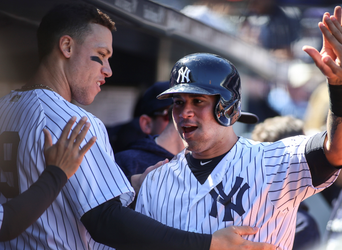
(89, 65)
(159, 121)
(196, 124)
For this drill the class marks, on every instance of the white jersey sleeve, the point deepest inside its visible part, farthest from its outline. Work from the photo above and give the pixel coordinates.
(288, 174)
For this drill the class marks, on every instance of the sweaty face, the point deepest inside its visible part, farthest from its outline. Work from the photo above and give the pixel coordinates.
(196, 124)
(89, 65)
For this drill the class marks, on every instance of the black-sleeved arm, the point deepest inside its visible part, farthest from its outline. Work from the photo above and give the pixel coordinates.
(125, 229)
(320, 168)
(26, 208)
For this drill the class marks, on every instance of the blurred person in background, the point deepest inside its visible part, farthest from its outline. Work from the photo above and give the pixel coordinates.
(150, 118)
(147, 151)
(274, 29)
(292, 96)
(316, 113)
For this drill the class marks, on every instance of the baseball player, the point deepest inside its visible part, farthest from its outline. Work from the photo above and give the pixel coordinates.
(222, 179)
(75, 43)
(26, 208)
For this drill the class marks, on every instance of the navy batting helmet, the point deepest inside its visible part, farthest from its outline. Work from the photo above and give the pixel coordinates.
(209, 74)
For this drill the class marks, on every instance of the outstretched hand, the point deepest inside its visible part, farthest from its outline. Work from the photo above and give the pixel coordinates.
(328, 60)
(230, 238)
(137, 179)
(66, 153)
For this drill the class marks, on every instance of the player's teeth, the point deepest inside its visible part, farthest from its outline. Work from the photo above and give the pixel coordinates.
(98, 83)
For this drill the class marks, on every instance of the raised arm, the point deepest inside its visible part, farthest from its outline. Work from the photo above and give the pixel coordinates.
(328, 60)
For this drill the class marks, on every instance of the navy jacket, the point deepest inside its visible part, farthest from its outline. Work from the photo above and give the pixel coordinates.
(140, 155)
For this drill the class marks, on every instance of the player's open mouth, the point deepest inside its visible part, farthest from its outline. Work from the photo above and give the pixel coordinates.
(98, 84)
(189, 129)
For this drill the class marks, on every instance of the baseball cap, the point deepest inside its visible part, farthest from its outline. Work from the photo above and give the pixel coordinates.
(148, 103)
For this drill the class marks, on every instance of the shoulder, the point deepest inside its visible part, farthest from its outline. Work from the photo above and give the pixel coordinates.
(248, 146)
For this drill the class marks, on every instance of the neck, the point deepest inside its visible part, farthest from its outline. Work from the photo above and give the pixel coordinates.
(170, 140)
(221, 146)
(50, 74)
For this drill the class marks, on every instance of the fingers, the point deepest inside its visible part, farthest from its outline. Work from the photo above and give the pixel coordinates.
(86, 147)
(338, 14)
(263, 246)
(336, 25)
(157, 165)
(67, 128)
(76, 131)
(47, 139)
(331, 24)
(335, 69)
(316, 57)
(245, 230)
(312, 52)
(77, 137)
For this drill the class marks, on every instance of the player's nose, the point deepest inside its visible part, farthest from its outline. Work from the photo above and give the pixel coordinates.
(106, 69)
(187, 111)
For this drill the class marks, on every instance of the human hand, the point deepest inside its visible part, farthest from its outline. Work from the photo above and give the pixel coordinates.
(328, 60)
(230, 238)
(66, 153)
(137, 179)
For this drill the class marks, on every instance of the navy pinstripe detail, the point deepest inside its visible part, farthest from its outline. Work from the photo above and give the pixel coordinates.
(80, 114)
(278, 184)
(38, 109)
(183, 207)
(174, 203)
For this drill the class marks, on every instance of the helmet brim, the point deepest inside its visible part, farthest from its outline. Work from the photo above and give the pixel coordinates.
(246, 117)
(184, 89)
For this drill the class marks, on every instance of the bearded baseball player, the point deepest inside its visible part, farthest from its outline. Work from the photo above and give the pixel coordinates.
(222, 179)
(75, 43)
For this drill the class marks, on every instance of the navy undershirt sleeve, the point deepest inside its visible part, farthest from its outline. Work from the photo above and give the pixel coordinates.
(320, 168)
(125, 229)
(26, 208)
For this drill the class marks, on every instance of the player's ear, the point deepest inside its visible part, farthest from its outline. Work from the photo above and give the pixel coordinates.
(66, 45)
(145, 123)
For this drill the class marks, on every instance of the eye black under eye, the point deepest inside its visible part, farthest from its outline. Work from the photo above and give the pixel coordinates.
(96, 59)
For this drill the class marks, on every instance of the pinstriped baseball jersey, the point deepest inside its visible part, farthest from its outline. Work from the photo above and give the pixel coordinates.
(23, 115)
(255, 184)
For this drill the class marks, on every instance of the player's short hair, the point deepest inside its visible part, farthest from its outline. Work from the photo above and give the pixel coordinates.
(69, 19)
(277, 128)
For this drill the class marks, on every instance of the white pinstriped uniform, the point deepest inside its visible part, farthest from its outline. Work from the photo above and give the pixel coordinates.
(96, 181)
(278, 178)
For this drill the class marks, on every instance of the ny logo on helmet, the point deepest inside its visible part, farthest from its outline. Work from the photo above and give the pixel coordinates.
(184, 73)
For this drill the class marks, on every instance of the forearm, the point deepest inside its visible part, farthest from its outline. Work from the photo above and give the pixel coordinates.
(320, 168)
(26, 208)
(123, 228)
(333, 146)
